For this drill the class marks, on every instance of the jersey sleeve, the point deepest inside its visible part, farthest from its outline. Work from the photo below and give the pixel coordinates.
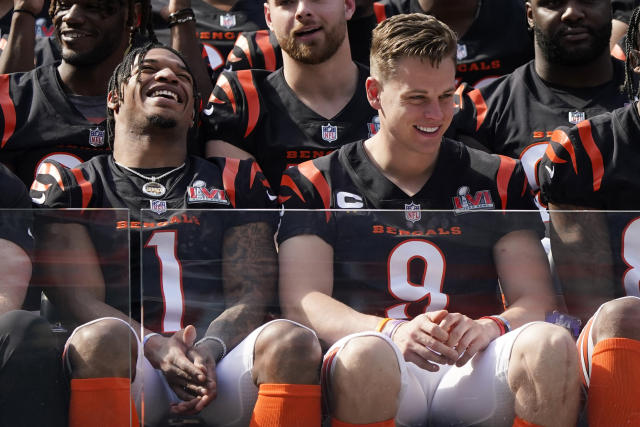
(568, 173)
(255, 49)
(305, 196)
(474, 115)
(233, 110)
(58, 187)
(15, 225)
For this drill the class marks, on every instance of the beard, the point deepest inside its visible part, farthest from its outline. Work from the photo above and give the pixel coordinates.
(110, 42)
(161, 122)
(556, 53)
(314, 53)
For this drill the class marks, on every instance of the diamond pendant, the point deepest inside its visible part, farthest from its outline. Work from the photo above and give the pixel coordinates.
(154, 189)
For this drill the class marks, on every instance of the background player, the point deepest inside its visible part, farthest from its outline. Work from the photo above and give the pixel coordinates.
(307, 108)
(226, 282)
(32, 391)
(594, 166)
(346, 274)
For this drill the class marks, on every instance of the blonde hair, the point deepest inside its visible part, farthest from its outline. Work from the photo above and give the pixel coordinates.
(415, 35)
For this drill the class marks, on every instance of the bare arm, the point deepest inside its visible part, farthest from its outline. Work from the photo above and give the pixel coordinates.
(16, 273)
(583, 258)
(618, 31)
(18, 54)
(219, 148)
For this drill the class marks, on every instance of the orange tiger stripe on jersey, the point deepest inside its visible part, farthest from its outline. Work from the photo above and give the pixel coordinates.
(223, 83)
(85, 187)
(243, 43)
(245, 78)
(229, 174)
(52, 171)
(288, 182)
(505, 170)
(481, 107)
(8, 110)
(380, 11)
(597, 164)
(268, 53)
(561, 138)
(309, 170)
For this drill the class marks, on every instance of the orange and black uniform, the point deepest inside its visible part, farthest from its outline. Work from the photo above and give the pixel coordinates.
(258, 112)
(191, 217)
(396, 261)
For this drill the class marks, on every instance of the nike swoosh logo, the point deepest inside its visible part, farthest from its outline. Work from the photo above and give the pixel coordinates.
(550, 170)
(208, 111)
(38, 200)
(271, 196)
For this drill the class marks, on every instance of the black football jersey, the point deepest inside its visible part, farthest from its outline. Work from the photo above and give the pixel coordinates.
(38, 122)
(216, 30)
(497, 42)
(178, 238)
(260, 49)
(15, 214)
(400, 260)
(258, 112)
(595, 165)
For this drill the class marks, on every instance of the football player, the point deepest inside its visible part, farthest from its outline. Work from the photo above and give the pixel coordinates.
(406, 300)
(572, 77)
(593, 166)
(32, 391)
(207, 277)
(312, 105)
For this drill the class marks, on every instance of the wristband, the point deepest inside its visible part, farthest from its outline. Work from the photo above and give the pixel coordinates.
(395, 324)
(28, 12)
(216, 339)
(381, 324)
(180, 17)
(570, 323)
(505, 322)
(497, 321)
(146, 338)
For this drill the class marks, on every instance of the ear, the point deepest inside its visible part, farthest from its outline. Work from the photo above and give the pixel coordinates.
(529, 11)
(373, 88)
(113, 102)
(267, 15)
(349, 8)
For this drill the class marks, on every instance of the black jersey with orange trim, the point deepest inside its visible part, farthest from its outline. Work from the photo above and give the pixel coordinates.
(496, 43)
(217, 30)
(595, 165)
(258, 112)
(184, 231)
(15, 215)
(381, 256)
(260, 49)
(38, 122)
(516, 115)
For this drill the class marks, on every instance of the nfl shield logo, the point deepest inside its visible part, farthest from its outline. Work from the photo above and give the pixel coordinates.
(412, 212)
(374, 125)
(462, 51)
(228, 20)
(329, 132)
(576, 117)
(158, 206)
(96, 137)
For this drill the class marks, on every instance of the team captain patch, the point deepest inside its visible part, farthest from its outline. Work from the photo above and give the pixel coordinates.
(199, 193)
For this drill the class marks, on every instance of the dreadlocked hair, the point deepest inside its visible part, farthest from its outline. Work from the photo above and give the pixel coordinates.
(142, 27)
(124, 71)
(631, 43)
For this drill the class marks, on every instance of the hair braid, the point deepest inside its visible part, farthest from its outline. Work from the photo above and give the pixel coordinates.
(631, 43)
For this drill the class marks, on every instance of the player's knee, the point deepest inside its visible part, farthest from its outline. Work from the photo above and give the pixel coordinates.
(367, 363)
(619, 318)
(107, 348)
(287, 353)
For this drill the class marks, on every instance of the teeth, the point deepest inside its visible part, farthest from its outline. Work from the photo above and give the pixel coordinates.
(74, 35)
(427, 129)
(173, 95)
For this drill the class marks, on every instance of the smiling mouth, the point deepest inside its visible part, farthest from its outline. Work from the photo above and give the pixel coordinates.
(306, 32)
(163, 93)
(74, 34)
(427, 129)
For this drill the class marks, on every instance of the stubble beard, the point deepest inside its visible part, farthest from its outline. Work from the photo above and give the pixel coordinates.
(555, 53)
(312, 53)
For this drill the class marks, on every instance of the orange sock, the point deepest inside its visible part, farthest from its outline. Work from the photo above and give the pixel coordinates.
(287, 405)
(519, 422)
(105, 399)
(614, 390)
(388, 423)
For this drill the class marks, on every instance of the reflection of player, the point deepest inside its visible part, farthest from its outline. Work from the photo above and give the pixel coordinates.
(216, 272)
(594, 165)
(31, 388)
(570, 79)
(312, 105)
(439, 271)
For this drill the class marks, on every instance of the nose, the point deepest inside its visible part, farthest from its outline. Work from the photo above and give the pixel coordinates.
(303, 9)
(74, 14)
(166, 74)
(573, 12)
(433, 111)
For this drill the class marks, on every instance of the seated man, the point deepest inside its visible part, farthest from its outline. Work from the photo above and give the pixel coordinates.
(199, 268)
(400, 297)
(594, 166)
